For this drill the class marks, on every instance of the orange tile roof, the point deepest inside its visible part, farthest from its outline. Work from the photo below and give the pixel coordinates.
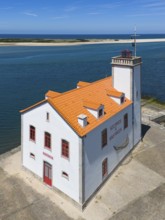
(90, 104)
(114, 93)
(71, 104)
(52, 94)
(82, 84)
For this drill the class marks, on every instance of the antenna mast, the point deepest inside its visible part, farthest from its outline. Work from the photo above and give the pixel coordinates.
(135, 40)
(134, 36)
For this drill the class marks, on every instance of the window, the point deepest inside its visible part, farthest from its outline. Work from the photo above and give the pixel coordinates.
(47, 116)
(125, 120)
(32, 156)
(122, 99)
(65, 175)
(104, 137)
(47, 140)
(65, 148)
(32, 133)
(104, 167)
(100, 112)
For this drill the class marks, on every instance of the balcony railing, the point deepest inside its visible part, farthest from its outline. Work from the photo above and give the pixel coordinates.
(126, 61)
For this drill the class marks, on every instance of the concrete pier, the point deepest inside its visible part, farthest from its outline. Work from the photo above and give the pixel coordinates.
(136, 190)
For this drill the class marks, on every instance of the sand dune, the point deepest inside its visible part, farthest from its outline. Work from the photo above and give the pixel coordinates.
(94, 41)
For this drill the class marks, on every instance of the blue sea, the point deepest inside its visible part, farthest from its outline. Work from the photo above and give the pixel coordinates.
(27, 73)
(80, 36)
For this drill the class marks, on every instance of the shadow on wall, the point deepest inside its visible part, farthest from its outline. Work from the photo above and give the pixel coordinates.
(145, 128)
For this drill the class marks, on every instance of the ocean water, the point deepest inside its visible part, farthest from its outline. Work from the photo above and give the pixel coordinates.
(27, 73)
(80, 36)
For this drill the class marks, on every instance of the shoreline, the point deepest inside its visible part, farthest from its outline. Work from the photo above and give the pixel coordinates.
(153, 101)
(75, 42)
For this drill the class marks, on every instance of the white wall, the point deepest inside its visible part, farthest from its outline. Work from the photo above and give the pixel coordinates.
(93, 112)
(137, 104)
(128, 80)
(94, 154)
(58, 130)
(122, 80)
(117, 100)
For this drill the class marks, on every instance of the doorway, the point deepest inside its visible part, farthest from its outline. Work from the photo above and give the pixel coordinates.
(47, 173)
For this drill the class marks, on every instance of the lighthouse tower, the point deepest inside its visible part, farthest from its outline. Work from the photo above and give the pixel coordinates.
(126, 77)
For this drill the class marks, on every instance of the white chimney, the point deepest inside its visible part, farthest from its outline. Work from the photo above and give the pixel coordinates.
(82, 120)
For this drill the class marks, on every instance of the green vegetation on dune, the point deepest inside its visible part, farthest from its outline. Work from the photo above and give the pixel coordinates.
(153, 101)
(25, 40)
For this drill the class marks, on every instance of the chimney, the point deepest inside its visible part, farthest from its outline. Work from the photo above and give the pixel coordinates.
(82, 120)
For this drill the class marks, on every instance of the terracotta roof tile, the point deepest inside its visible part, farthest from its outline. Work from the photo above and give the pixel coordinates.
(82, 84)
(71, 104)
(90, 104)
(52, 94)
(114, 93)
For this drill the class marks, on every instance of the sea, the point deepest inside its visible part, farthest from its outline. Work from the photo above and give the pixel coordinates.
(27, 73)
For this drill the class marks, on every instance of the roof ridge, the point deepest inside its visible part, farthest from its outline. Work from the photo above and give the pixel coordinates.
(78, 89)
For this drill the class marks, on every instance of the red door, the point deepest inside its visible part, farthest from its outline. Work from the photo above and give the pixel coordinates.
(48, 173)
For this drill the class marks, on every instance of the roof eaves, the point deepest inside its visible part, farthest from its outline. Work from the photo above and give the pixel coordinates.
(33, 106)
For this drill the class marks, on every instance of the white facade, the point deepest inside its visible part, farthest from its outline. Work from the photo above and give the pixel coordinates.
(118, 100)
(59, 130)
(122, 80)
(94, 153)
(84, 166)
(127, 78)
(137, 104)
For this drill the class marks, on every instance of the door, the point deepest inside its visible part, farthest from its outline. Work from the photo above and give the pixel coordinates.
(47, 173)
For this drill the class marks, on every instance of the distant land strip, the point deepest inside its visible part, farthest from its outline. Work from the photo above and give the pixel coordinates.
(69, 42)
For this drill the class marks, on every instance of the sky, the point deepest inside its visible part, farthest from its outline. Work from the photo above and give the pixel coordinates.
(81, 16)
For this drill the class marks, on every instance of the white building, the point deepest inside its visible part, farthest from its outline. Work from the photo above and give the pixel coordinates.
(74, 140)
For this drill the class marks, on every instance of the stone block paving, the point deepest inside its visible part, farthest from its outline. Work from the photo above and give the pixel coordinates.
(18, 201)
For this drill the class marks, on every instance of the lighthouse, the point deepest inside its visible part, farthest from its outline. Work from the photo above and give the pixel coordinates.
(126, 77)
(73, 141)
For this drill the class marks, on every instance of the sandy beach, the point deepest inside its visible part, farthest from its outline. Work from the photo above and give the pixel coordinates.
(94, 41)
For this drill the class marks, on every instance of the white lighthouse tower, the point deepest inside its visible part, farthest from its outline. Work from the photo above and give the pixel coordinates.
(126, 77)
